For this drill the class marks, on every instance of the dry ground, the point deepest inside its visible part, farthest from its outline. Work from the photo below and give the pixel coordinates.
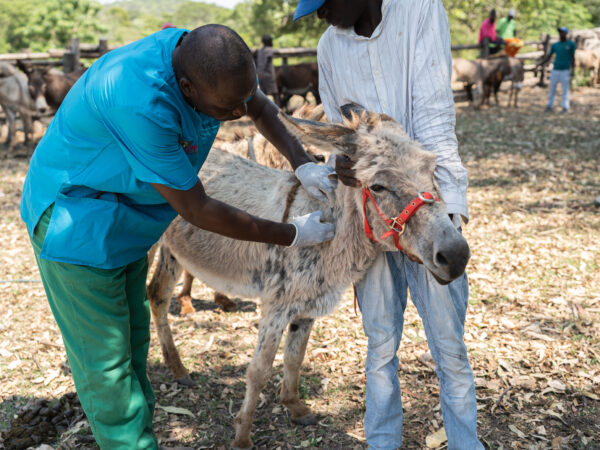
(533, 325)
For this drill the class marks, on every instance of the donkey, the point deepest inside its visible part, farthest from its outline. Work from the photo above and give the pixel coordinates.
(297, 79)
(49, 87)
(14, 99)
(516, 77)
(297, 285)
(255, 146)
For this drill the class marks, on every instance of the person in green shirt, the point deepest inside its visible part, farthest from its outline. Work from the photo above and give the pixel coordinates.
(564, 63)
(507, 26)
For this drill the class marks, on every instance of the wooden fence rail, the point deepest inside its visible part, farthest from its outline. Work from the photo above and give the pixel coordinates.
(71, 56)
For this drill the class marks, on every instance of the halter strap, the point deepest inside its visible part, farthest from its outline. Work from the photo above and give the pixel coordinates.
(398, 223)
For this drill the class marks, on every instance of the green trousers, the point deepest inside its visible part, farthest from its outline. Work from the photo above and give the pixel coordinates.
(104, 319)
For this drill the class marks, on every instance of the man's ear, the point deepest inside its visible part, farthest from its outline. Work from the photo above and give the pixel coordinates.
(186, 86)
(330, 137)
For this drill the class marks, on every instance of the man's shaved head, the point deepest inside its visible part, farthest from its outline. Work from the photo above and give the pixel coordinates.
(214, 52)
(215, 71)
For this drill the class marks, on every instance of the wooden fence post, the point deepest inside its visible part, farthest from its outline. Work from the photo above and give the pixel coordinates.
(76, 53)
(545, 45)
(103, 46)
(485, 48)
(68, 62)
(71, 57)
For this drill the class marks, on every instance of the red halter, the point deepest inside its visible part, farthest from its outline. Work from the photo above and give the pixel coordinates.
(398, 223)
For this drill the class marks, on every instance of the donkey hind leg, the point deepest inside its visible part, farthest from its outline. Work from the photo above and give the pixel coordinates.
(295, 348)
(225, 302)
(12, 129)
(510, 95)
(159, 292)
(269, 335)
(185, 296)
(27, 126)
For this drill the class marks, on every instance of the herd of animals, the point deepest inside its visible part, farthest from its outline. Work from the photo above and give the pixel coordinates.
(296, 285)
(28, 90)
(487, 74)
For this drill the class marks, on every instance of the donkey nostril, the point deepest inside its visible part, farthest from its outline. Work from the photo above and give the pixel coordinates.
(440, 259)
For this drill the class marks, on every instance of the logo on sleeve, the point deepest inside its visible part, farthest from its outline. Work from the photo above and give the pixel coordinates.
(188, 146)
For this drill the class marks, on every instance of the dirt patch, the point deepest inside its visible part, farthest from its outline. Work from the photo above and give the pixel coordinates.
(533, 324)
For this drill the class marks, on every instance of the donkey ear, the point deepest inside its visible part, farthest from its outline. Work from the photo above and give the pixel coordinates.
(327, 136)
(350, 108)
(24, 67)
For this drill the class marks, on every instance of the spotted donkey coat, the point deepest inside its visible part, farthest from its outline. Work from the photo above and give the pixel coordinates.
(297, 285)
(255, 146)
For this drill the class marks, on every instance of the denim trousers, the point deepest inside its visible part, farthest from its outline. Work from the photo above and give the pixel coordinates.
(563, 77)
(382, 297)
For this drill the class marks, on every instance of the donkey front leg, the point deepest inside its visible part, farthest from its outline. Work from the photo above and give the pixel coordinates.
(159, 293)
(295, 348)
(269, 335)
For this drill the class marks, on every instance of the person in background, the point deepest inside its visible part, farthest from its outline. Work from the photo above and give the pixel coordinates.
(265, 69)
(507, 26)
(364, 59)
(489, 41)
(564, 64)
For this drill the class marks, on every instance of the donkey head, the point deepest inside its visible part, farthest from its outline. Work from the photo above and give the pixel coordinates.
(36, 85)
(395, 170)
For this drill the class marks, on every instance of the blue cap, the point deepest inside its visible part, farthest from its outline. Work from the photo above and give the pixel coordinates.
(563, 29)
(306, 7)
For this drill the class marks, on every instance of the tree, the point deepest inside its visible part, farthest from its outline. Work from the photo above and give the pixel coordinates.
(254, 18)
(12, 20)
(194, 14)
(54, 22)
(533, 16)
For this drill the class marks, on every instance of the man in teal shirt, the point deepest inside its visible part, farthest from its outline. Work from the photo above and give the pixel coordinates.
(118, 162)
(564, 63)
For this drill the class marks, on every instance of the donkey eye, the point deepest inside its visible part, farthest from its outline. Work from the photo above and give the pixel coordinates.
(377, 188)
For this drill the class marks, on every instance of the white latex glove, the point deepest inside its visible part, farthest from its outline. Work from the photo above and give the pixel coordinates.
(311, 231)
(315, 180)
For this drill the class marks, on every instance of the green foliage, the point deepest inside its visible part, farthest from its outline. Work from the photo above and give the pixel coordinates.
(12, 19)
(533, 16)
(52, 23)
(133, 19)
(43, 24)
(253, 18)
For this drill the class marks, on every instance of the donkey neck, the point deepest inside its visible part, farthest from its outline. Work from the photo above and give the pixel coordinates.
(350, 253)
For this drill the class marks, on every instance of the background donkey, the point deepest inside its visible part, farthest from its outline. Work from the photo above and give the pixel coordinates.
(297, 285)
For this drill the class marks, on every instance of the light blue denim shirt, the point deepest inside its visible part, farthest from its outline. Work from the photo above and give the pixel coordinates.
(123, 125)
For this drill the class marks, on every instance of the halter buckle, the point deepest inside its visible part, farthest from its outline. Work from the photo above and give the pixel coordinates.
(426, 200)
(395, 223)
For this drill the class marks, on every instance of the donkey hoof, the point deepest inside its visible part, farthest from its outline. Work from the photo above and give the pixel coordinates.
(185, 381)
(242, 444)
(308, 419)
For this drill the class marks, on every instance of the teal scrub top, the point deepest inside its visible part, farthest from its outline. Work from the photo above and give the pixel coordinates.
(123, 125)
(564, 52)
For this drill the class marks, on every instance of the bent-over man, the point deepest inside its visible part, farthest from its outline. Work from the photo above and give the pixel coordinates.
(118, 162)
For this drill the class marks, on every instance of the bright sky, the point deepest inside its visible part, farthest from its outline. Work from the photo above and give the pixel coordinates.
(225, 3)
